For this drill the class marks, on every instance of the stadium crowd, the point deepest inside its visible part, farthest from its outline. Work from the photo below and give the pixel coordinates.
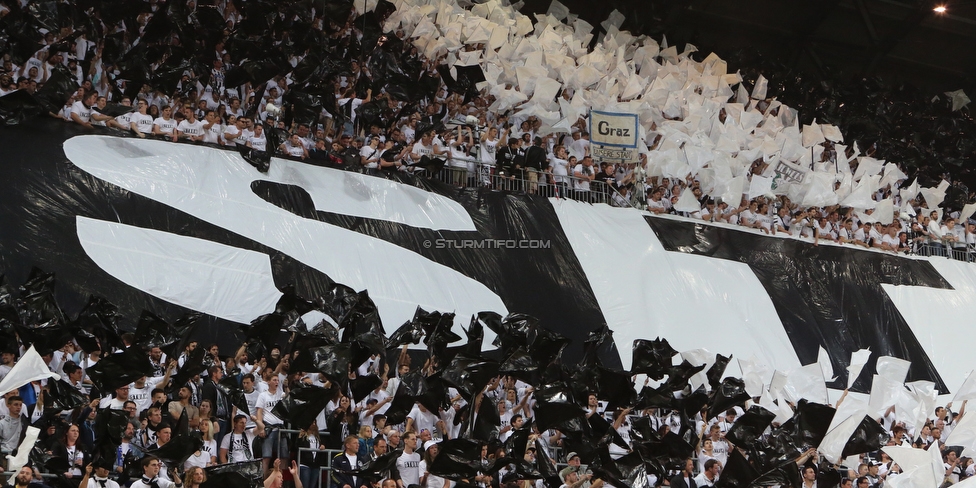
(503, 149)
(354, 433)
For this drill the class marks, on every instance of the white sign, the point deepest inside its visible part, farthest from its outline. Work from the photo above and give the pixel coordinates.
(613, 129)
(601, 153)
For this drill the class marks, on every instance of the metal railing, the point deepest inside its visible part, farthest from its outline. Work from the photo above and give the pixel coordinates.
(480, 175)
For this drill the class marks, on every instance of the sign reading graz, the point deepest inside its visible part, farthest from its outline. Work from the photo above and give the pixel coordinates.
(612, 129)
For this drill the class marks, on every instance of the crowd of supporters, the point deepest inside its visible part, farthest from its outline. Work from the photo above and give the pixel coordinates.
(478, 147)
(355, 433)
(924, 233)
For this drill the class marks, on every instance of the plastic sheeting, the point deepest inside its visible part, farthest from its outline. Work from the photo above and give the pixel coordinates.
(380, 231)
(829, 296)
(703, 287)
(183, 269)
(646, 291)
(216, 186)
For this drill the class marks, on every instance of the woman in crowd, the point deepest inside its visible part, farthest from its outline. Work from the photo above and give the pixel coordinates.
(71, 450)
(309, 441)
(207, 454)
(427, 479)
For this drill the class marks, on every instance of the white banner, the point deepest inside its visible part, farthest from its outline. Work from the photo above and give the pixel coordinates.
(601, 153)
(613, 129)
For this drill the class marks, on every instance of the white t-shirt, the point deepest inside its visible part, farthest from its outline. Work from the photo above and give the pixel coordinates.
(259, 143)
(458, 156)
(433, 481)
(124, 120)
(240, 447)
(421, 150)
(720, 451)
(560, 170)
(165, 126)
(369, 153)
(201, 458)
(267, 402)
(144, 122)
(486, 152)
(83, 112)
(252, 406)
(296, 151)
(192, 129)
(582, 185)
(235, 135)
(578, 148)
(212, 135)
(356, 103)
(142, 397)
(423, 420)
(93, 483)
(409, 467)
(701, 480)
(890, 241)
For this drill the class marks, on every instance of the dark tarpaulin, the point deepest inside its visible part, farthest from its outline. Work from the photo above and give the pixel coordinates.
(362, 386)
(18, 106)
(96, 326)
(737, 472)
(521, 365)
(234, 475)
(486, 423)
(56, 90)
(37, 301)
(730, 393)
(62, 396)
(555, 406)
(120, 369)
(809, 423)
(679, 375)
(750, 426)
(196, 362)
(652, 358)
(617, 388)
(411, 332)
(869, 436)
(469, 375)
(231, 386)
(302, 405)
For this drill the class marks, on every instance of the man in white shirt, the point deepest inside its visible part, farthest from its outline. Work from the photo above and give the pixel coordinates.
(164, 126)
(584, 174)
(190, 128)
(655, 204)
(232, 132)
(140, 122)
(709, 476)
(212, 129)
(267, 422)
(81, 110)
(257, 140)
(238, 446)
(408, 464)
(580, 147)
(150, 475)
(560, 170)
